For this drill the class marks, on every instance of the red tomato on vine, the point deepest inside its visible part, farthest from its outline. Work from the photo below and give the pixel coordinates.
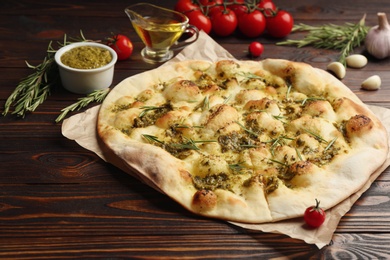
(208, 5)
(280, 24)
(267, 5)
(238, 8)
(224, 22)
(252, 24)
(201, 21)
(184, 6)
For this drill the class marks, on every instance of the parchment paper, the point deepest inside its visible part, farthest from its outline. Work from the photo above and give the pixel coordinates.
(82, 129)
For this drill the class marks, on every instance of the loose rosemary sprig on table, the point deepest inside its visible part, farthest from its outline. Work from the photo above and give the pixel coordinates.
(330, 36)
(33, 90)
(96, 96)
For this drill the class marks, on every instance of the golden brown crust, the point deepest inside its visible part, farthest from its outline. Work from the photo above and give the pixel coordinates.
(358, 125)
(221, 116)
(242, 140)
(204, 200)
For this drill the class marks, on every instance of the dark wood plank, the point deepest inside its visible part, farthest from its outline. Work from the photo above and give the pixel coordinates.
(166, 247)
(256, 246)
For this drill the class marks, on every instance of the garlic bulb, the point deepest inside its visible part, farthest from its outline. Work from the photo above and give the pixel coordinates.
(378, 38)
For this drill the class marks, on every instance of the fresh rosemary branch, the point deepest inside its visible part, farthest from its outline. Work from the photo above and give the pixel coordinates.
(330, 36)
(96, 96)
(33, 90)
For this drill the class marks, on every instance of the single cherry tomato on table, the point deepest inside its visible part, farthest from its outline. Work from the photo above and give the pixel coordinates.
(280, 24)
(251, 24)
(184, 6)
(122, 45)
(224, 22)
(314, 215)
(255, 49)
(198, 19)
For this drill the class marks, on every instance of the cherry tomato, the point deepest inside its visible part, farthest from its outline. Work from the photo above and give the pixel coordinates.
(184, 6)
(267, 5)
(314, 215)
(251, 24)
(208, 5)
(121, 45)
(255, 49)
(216, 9)
(280, 25)
(198, 19)
(224, 22)
(239, 9)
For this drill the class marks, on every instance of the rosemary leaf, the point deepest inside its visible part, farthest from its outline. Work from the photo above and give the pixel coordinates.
(237, 167)
(280, 118)
(246, 129)
(96, 96)
(316, 136)
(311, 99)
(330, 144)
(227, 99)
(191, 144)
(288, 91)
(330, 36)
(152, 138)
(278, 162)
(249, 75)
(299, 154)
(147, 109)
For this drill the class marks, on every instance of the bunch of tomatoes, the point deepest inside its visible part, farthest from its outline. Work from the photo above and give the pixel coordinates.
(224, 17)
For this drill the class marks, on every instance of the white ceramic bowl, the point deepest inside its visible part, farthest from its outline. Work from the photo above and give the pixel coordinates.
(85, 81)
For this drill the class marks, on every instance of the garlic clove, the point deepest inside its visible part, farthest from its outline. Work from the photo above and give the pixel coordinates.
(372, 83)
(337, 68)
(356, 61)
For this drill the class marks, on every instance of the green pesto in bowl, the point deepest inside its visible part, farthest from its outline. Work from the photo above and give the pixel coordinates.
(86, 57)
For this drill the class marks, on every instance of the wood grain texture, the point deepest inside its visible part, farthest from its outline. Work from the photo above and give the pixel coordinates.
(58, 200)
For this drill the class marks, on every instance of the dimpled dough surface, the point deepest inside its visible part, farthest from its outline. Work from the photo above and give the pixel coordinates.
(244, 141)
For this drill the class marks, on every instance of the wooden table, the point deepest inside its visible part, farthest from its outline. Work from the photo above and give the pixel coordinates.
(58, 200)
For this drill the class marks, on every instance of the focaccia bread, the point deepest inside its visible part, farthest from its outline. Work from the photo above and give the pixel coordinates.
(244, 141)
